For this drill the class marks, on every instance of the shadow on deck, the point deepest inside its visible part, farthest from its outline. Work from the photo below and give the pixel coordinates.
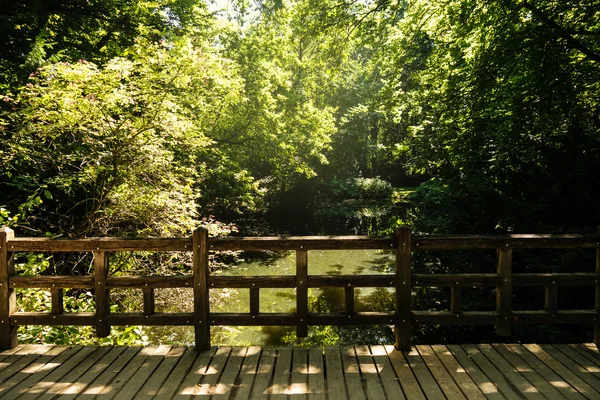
(363, 372)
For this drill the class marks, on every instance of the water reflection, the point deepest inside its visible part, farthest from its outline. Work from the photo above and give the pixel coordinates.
(330, 262)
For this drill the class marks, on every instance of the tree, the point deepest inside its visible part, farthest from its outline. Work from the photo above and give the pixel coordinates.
(117, 149)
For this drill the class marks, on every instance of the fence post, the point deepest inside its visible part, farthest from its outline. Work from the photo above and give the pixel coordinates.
(301, 293)
(597, 305)
(8, 333)
(102, 294)
(200, 273)
(403, 288)
(504, 292)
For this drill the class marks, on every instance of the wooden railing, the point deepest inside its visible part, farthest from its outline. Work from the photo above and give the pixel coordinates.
(403, 281)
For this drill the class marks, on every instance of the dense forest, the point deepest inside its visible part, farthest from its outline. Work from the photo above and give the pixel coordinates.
(153, 117)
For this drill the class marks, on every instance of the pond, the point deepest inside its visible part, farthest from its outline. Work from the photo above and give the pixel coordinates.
(330, 262)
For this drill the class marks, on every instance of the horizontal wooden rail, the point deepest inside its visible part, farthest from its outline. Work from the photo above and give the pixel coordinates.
(455, 242)
(557, 279)
(455, 280)
(201, 281)
(420, 242)
(248, 282)
(46, 282)
(100, 244)
(302, 243)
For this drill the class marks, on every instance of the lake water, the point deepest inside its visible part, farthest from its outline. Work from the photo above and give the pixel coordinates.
(330, 262)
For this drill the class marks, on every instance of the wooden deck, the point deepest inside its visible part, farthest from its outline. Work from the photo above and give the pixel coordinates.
(527, 371)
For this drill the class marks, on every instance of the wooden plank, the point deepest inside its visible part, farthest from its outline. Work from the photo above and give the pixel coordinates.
(352, 375)
(449, 318)
(590, 367)
(133, 385)
(421, 242)
(356, 318)
(172, 319)
(548, 374)
(555, 279)
(13, 355)
(254, 301)
(504, 292)
(386, 373)
(455, 300)
(551, 299)
(299, 376)
(336, 388)
(52, 282)
(148, 300)
(405, 375)
(494, 375)
(566, 374)
(319, 281)
(74, 390)
(264, 374)
(577, 369)
(427, 382)
(19, 370)
(195, 374)
(403, 288)
(27, 370)
(440, 374)
(527, 372)
(247, 374)
(252, 282)
(201, 302)
(369, 373)
(102, 296)
(101, 385)
(8, 299)
(247, 319)
(38, 318)
(151, 282)
(526, 388)
(213, 372)
(527, 241)
(583, 350)
(458, 373)
(36, 390)
(559, 317)
(57, 301)
(123, 374)
(107, 244)
(281, 378)
(17, 362)
(316, 374)
(349, 300)
(289, 281)
(223, 388)
(38, 370)
(154, 383)
(487, 386)
(301, 243)
(7, 353)
(72, 376)
(455, 280)
(184, 363)
(593, 348)
(301, 293)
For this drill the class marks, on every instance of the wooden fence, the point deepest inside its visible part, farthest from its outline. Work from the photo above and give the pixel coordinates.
(404, 243)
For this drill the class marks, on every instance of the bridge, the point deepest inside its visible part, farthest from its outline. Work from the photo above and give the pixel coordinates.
(373, 372)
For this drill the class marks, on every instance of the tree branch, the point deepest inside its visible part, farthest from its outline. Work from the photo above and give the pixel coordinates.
(562, 32)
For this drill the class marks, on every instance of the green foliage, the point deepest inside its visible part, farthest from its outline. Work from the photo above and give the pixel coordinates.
(361, 188)
(495, 102)
(154, 117)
